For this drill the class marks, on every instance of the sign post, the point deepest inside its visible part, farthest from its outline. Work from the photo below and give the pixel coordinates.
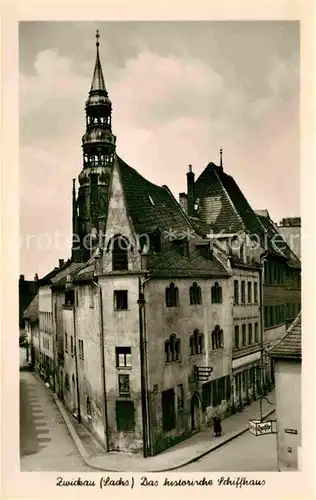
(260, 428)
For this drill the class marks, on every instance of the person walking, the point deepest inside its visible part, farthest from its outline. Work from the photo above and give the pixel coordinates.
(217, 426)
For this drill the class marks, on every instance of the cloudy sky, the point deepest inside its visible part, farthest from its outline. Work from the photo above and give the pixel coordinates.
(180, 92)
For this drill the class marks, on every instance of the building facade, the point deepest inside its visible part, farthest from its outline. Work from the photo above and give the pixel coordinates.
(287, 356)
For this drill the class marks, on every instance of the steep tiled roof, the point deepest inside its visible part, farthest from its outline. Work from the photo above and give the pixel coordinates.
(59, 280)
(290, 345)
(208, 184)
(151, 206)
(31, 313)
(48, 278)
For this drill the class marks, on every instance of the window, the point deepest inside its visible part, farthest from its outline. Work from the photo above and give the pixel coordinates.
(249, 292)
(69, 297)
(123, 357)
(71, 345)
(196, 343)
(195, 294)
(271, 312)
(124, 385)
(256, 333)
(236, 292)
(255, 292)
(168, 410)
(120, 300)
(180, 397)
(172, 349)
(206, 395)
(88, 407)
(172, 296)
(125, 419)
(81, 355)
(244, 337)
(266, 316)
(66, 342)
(217, 338)
(220, 390)
(243, 292)
(250, 340)
(237, 337)
(120, 246)
(216, 294)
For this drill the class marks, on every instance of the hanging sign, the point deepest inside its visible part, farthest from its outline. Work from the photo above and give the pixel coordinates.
(202, 373)
(260, 428)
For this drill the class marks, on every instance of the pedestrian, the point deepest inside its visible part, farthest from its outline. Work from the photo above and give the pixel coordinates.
(217, 426)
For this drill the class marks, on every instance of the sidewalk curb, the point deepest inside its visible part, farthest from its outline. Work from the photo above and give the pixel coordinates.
(85, 457)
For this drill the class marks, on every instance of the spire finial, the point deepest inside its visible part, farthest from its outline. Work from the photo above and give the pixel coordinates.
(221, 157)
(97, 37)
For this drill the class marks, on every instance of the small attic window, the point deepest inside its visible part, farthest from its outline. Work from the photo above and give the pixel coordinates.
(151, 200)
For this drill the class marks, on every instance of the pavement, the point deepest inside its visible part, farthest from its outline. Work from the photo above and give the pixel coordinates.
(176, 457)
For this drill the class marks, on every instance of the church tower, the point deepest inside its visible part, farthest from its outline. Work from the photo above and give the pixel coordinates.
(98, 144)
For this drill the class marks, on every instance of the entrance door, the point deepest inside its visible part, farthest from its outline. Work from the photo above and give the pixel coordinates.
(195, 413)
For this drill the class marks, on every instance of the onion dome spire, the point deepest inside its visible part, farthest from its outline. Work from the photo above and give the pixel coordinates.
(97, 79)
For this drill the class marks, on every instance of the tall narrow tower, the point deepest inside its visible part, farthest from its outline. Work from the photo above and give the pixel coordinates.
(98, 144)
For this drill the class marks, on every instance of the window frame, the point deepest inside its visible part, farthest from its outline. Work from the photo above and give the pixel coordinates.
(124, 294)
(123, 351)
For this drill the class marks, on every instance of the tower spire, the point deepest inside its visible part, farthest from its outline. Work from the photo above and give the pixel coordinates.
(221, 157)
(97, 79)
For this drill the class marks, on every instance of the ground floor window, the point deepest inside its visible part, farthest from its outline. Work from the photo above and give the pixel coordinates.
(216, 391)
(168, 410)
(125, 415)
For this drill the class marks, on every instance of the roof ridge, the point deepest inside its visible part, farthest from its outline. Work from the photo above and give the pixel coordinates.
(228, 197)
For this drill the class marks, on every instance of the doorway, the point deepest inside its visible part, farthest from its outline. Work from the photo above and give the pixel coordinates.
(195, 413)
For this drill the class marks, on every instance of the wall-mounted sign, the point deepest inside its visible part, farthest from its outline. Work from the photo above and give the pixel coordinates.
(259, 428)
(290, 431)
(202, 373)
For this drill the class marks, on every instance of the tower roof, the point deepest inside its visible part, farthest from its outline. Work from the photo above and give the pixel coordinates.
(97, 79)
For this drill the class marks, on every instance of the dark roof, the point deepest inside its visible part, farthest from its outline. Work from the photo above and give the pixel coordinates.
(31, 313)
(277, 244)
(290, 345)
(59, 279)
(153, 207)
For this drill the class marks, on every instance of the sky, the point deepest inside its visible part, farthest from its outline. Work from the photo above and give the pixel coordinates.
(180, 91)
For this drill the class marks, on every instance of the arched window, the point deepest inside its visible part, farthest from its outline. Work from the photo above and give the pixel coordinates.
(216, 294)
(172, 349)
(172, 296)
(196, 343)
(195, 294)
(217, 338)
(119, 246)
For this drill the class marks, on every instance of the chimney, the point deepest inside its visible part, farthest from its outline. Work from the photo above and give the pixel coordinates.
(183, 200)
(69, 283)
(190, 191)
(61, 262)
(36, 277)
(22, 277)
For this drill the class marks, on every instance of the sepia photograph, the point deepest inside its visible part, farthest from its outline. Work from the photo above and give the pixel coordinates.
(160, 246)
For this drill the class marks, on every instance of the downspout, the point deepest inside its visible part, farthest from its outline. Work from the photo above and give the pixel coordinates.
(144, 370)
(261, 282)
(76, 359)
(104, 406)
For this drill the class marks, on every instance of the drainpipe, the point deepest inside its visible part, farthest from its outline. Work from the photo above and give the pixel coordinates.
(76, 358)
(105, 406)
(144, 370)
(261, 281)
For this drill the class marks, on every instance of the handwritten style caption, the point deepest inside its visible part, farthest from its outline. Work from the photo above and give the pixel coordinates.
(129, 482)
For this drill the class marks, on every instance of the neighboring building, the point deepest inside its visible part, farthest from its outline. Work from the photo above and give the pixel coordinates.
(290, 229)
(30, 317)
(287, 356)
(27, 292)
